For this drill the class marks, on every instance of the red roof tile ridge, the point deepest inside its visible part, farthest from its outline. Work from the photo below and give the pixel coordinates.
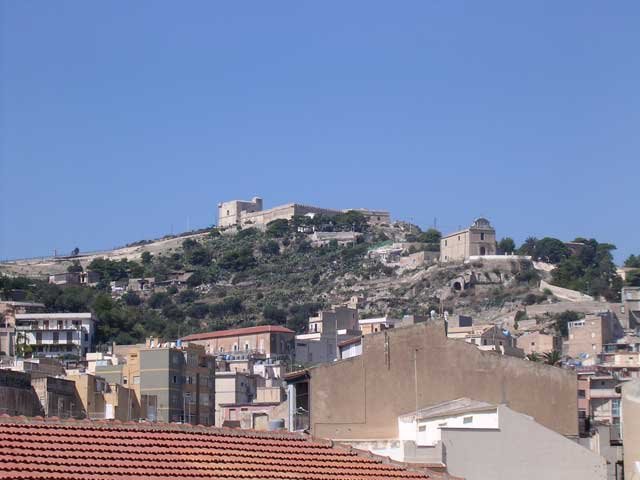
(118, 425)
(238, 331)
(383, 459)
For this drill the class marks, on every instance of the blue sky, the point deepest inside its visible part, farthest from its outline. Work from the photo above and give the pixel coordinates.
(121, 120)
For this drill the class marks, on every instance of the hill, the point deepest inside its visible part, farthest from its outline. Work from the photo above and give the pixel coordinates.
(282, 275)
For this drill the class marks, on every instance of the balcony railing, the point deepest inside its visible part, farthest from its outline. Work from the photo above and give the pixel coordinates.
(301, 421)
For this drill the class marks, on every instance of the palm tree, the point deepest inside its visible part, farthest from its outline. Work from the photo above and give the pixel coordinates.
(552, 358)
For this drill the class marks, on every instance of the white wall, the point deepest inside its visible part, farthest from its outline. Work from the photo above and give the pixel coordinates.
(428, 432)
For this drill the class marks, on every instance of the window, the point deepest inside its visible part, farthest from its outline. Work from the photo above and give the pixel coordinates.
(175, 379)
(189, 379)
(56, 337)
(467, 420)
(422, 428)
(136, 380)
(125, 380)
(615, 407)
(482, 236)
(246, 347)
(458, 237)
(581, 394)
(221, 349)
(533, 344)
(445, 243)
(60, 324)
(235, 347)
(86, 337)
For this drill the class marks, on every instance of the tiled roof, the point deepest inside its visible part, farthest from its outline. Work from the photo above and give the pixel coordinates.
(236, 332)
(37, 448)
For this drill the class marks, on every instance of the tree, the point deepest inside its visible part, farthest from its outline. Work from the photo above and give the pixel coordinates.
(551, 250)
(270, 247)
(131, 299)
(75, 252)
(632, 262)
(274, 315)
(146, 258)
(633, 278)
(528, 247)
(75, 267)
(507, 245)
(430, 236)
(278, 228)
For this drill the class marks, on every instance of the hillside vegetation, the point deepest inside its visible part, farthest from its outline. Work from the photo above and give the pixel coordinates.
(277, 276)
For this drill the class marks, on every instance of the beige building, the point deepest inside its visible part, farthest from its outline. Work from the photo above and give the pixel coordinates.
(8, 311)
(631, 429)
(250, 213)
(538, 342)
(172, 382)
(588, 335)
(630, 307)
(477, 240)
(272, 341)
(361, 397)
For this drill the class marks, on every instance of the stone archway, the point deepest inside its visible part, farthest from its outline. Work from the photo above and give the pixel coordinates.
(457, 286)
(483, 251)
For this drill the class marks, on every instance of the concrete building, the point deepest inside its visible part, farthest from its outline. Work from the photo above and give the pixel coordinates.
(102, 401)
(631, 429)
(477, 240)
(350, 348)
(360, 397)
(141, 285)
(490, 338)
(478, 440)
(233, 388)
(180, 377)
(270, 341)
(58, 397)
(539, 343)
(8, 311)
(326, 331)
(230, 213)
(630, 307)
(372, 325)
(588, 335)
(55, 335)
(17, 396)
(75, 278)
(250, 213)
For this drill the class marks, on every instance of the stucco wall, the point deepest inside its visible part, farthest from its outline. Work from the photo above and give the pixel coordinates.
(631, 429)
(520, 449)
(362, 397)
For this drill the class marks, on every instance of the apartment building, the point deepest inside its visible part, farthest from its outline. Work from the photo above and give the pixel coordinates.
(270, 341)
(539, 343)
(630, 307)
(326, 331)
(418, 364)
(588, 335)
(173, 382)
(75, 278)
(8, 311)
(55, 335)
(490, 338)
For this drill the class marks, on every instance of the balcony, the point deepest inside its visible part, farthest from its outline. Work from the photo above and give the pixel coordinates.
(604, 393)
(301, 421)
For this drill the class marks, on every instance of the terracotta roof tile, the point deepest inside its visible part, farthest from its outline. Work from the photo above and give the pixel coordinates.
(238, 332)
(55, 449)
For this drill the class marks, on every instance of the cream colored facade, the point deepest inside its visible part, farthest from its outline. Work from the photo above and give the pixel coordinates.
(477, 240)
(587, 336)
(250, 213)
(631, 429)
(538, 342)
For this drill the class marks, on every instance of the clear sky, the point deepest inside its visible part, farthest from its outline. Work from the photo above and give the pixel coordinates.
(124, 120)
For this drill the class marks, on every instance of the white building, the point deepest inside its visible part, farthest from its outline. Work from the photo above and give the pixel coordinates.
(482, 441)
(55, 334)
